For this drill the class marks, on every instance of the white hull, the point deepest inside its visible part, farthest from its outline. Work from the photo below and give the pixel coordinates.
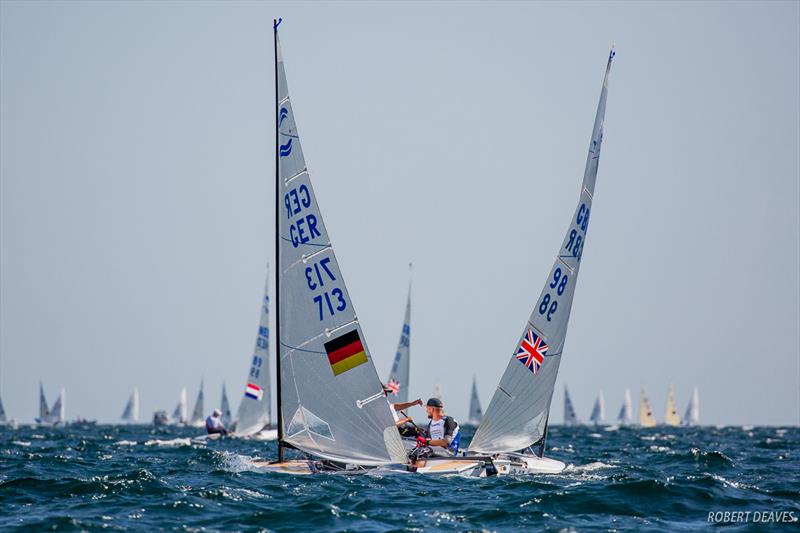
(510, 465)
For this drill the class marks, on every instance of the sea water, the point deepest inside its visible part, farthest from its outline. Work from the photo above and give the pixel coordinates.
(624, 479)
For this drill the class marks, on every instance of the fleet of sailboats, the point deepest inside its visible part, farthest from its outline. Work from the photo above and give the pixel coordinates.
(332, 410)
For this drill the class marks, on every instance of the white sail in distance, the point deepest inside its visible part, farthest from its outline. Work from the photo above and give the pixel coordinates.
(255, 409)
(518, 413)
(400, 373)
(198, 418)
(671, 416)
(646, 418)
(475, 411)
(692, 416)
(599, 409)
(3, 418)
(58, 413)
(225, 407)
(626, 411)
(570, 418)
(331, 401)
(181, 413)
(131, 412)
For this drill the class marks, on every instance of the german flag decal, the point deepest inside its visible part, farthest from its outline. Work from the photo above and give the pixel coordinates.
(345, 352)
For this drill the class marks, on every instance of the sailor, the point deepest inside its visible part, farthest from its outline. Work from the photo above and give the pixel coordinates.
(214, 423)
(442, 434)
(400, 406)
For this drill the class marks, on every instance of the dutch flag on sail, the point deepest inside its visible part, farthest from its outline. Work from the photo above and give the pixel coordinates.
(253, 391)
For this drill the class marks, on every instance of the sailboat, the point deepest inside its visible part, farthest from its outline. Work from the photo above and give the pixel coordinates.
(198, 413)
(4, 420)
(475, 411)
(180, 415)
(131, 412)
(437, 389)
(570, 418)
(398, 377)
(626, 411)
(44, 411)
(58, 413)
(331, 404)
(671, 418)
(599, 410)
(254, 416)
(513, 431)
(646, 418)
(225, 407)
(692, 416)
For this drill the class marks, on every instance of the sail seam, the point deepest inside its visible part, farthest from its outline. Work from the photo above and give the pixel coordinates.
(306, 258)
(292, 177)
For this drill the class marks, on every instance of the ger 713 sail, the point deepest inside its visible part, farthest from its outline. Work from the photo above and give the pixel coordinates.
(515, 423)
(331, 404)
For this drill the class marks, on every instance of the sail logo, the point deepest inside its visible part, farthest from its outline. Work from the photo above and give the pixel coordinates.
(286, 149)
(283, 113)
(532, 351)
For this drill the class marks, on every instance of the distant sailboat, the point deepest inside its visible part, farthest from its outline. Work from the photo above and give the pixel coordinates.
(180, 415)
(671, 418)
(225, 407)
(198, 413)
(515, 423)
(58, 413)
(131, 412)
(475, 411)
(331, 404)
(599, 410)
(626, 411)
(399, 376)
(255, 409)
(44, 411)
(3, 419)
(570, 418)
(646, 418)
(692, 416)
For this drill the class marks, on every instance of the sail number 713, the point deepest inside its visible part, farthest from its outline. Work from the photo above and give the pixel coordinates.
(329, 302)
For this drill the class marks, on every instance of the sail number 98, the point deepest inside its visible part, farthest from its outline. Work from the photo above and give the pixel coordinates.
(559, 283)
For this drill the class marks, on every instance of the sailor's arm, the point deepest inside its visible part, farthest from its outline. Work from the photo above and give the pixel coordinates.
(405, 405)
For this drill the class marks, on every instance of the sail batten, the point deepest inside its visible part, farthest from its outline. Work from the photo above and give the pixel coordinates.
(325, 367)
(518, 412)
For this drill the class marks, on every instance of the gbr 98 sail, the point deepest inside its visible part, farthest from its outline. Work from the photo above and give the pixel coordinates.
(331, 399)
(517, 415)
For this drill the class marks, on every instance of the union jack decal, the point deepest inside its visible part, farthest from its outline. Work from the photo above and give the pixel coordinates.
(531, 351)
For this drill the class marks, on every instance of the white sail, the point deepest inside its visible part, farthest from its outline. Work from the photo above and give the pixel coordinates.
(570, 418)
(646, 418)
(331, 399)
(255, 409)
(475, 411)
(198, 419)
(131, 412)
(437, 390)
(58, 413)
(671, 417)
(518, 413)
(692, 416)
(626, 411)
(225, 407)
(3, 418)
(399, 376)
(180, 414)
(599, 410)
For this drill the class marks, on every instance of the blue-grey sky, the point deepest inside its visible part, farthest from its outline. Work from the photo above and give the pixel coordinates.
(136, 183)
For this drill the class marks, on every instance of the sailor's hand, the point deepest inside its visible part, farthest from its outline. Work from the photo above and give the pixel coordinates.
(418, 402)
(422, 441)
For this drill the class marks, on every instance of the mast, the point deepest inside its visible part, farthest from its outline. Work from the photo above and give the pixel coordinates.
(275, 24)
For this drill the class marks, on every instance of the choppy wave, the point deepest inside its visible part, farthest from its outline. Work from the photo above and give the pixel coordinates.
(626, 479)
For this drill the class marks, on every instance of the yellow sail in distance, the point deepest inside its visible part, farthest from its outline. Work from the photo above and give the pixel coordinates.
(671, 418)
(646, 418)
